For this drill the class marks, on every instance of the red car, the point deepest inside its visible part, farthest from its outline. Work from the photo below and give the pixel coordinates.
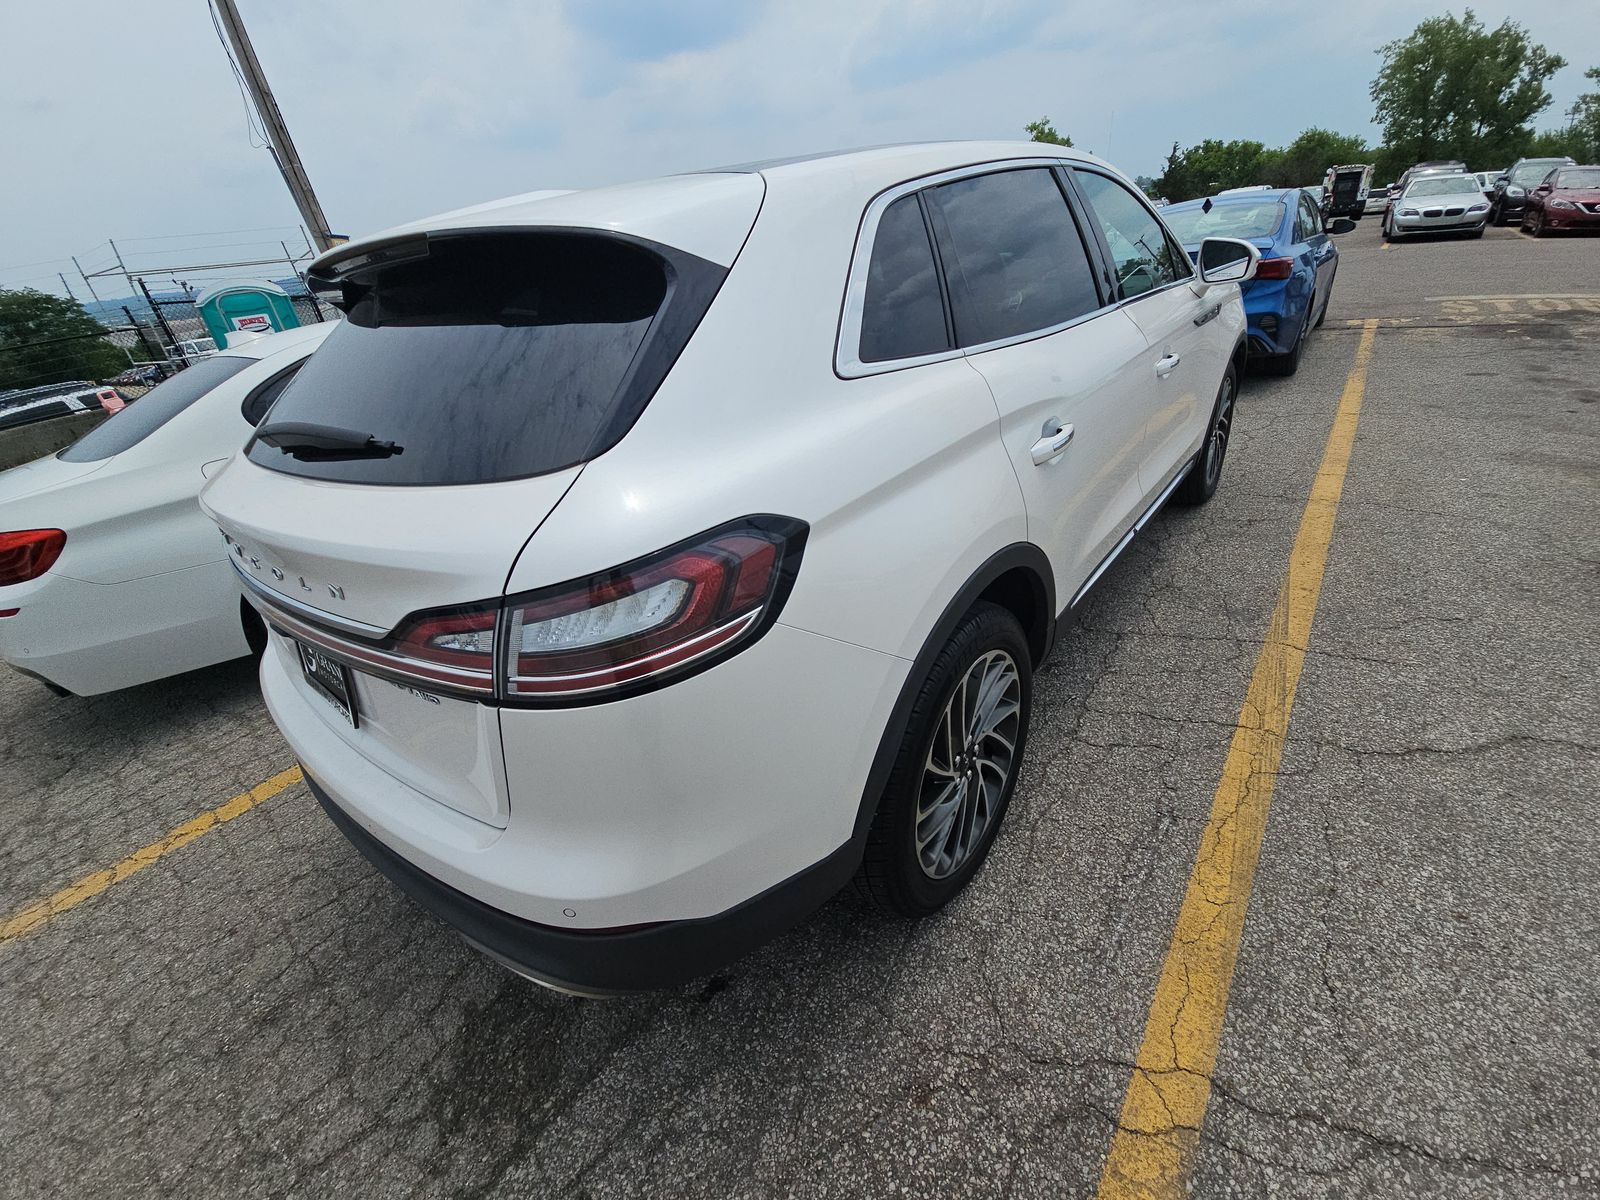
(1569, 198)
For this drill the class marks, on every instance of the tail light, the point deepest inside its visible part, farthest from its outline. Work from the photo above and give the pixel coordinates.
(633, 628)
(28, 554)
(652, 620)
(1275, 268)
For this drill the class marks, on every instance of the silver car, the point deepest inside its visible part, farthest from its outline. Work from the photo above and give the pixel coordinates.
(1437, 204)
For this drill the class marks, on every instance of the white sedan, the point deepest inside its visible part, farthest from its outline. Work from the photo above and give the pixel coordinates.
(110, 575)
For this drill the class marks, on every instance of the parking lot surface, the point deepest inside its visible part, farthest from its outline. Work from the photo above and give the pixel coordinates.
(250, 1010)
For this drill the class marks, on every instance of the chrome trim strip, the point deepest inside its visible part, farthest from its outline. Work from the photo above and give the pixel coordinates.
(732, 628)
(304, 611)
(433, 677)
(1155, 507)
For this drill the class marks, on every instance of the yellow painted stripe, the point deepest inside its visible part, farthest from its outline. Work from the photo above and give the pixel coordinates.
(37, 915)
(1153, 1147)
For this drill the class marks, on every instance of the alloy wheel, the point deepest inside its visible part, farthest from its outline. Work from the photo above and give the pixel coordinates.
(1217, 442)
(969, 764)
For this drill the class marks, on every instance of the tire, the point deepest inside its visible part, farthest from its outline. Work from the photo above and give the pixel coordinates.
(1536, 227)
(1288, 363)
(1328, 299)
(898, 875)
(1201, 482)
(255, 630)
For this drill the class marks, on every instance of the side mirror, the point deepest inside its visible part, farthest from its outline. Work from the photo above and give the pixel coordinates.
(1342, 225)
(1227, 260)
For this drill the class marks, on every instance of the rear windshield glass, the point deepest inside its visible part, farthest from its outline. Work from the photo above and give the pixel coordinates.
(484, 358)
(158, 406)
(1225, 220)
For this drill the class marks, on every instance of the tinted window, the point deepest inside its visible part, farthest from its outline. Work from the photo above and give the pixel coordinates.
(259, 401)
(484, 358)
(1310, 221)
(1012, 255)
(158, 406)
(1140, 253)
(903, 315)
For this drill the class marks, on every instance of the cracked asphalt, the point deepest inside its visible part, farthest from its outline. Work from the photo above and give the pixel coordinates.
(1413, 1012)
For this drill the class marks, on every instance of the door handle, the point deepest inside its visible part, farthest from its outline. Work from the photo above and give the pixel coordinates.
(1167, 364)
(1053, 441)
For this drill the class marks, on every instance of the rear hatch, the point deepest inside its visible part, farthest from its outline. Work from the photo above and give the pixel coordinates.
(418, 450)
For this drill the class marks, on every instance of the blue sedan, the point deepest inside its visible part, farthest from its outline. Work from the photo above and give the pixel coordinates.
(1289, 296)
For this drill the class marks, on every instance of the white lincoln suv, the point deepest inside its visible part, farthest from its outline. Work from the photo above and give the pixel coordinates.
(643, 563)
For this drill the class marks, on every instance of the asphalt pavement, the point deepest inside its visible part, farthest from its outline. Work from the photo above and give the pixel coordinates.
(1413, 1011)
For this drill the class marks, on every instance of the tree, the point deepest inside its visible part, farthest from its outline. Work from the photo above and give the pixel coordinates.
(1454, 89)
(48, 339)
(1042, 131)
(1212, 166)
(1306, 159)
(1585, 116)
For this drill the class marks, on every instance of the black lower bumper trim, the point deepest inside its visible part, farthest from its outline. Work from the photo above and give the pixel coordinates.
(663, 955)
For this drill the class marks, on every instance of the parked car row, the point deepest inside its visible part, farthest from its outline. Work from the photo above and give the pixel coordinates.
(26, 405)
(1538, 193)
(623, 594)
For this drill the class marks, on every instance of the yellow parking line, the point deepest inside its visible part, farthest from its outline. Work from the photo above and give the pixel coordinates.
(36, 915)
(1152, 1150)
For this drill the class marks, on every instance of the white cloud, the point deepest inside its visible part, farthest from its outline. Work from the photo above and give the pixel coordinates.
(124, 121)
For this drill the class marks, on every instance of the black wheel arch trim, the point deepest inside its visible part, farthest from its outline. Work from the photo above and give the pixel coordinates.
(1024, 555)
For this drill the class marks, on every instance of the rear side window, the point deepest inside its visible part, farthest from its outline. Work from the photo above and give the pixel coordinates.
(489, 357)
(1013, 258)
(902, 315)
(259, 401)
(153, 410)
(1141, 255)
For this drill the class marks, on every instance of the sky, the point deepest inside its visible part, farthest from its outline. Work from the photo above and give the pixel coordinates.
(122, 120)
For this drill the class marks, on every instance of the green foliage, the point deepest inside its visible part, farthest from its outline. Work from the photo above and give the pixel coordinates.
(1455, 89)
(47, 339)
(1584, 131)
(1212, 166)
(1305, 160)
(1042, 131)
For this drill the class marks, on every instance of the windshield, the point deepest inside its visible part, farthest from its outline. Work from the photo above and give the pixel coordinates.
(1588, 177)
(1532, 173)
(158, 406)
(490, 357)
(1442, 185)
(1259, 220)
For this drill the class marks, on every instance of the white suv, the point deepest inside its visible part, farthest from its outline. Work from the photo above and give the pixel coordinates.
(643, 563)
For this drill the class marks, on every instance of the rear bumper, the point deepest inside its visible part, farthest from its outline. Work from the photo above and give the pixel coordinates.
(91, 638)
(1273, 316)
(600, 962)
(700, 818)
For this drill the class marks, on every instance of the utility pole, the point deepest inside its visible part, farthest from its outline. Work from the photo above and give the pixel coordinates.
(283, 151)
(86, 282)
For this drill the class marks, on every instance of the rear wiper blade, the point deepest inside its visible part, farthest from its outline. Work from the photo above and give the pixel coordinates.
(311, 442)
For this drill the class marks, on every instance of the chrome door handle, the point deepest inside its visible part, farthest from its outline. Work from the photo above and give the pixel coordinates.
(1052, 443)
(1166, 365)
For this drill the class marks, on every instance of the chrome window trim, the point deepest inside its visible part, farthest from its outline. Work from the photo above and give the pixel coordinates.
(847, 362)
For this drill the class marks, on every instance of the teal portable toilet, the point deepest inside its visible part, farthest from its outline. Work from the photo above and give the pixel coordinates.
(245, 308)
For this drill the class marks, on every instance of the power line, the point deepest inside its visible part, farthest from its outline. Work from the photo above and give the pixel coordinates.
(167, 237)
